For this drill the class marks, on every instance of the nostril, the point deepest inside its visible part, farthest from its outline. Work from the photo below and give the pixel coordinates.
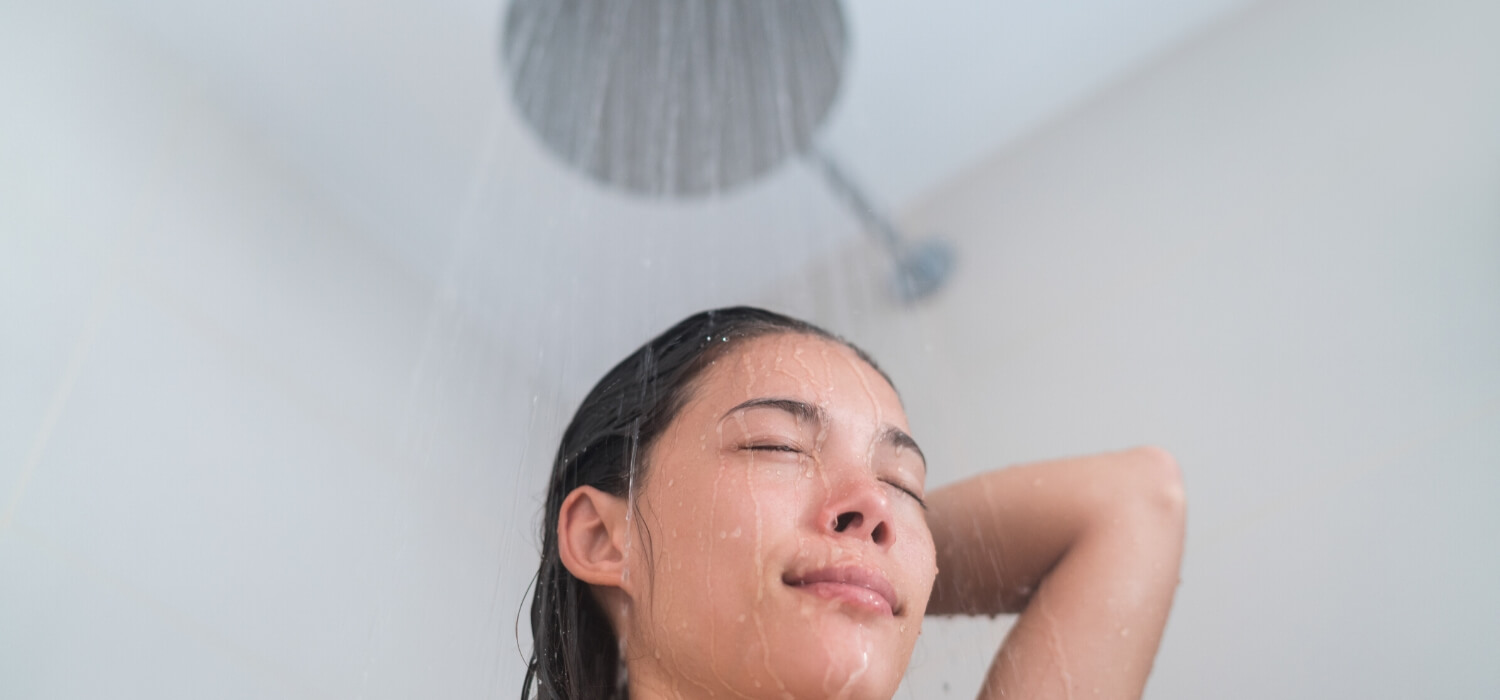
(880, 534)
(845, 520)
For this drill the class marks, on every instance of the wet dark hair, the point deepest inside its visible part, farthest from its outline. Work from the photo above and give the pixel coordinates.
(575, 655)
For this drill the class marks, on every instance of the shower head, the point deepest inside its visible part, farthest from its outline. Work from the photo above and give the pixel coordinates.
(674, 98)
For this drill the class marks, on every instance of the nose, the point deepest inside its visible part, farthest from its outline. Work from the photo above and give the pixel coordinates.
(859, 508)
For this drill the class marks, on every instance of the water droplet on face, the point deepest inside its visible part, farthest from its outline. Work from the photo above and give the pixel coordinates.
(1124, 631)
(736, 533)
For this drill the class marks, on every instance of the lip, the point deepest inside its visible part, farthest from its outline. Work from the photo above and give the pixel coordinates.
(862, 587)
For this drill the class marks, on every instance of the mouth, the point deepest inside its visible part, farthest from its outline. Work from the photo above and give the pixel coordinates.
(861, 588)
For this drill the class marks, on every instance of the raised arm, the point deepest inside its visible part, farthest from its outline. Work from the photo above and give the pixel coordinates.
(1086, 549)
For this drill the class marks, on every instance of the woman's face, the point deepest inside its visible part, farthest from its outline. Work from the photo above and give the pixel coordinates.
(781, 533)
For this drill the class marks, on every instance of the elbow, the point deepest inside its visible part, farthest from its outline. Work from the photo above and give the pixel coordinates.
(1159, 481)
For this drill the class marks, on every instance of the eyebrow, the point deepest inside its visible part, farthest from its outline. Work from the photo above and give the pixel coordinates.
(804, 411)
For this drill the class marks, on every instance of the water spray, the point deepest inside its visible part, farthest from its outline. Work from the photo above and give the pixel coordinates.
(678, 99)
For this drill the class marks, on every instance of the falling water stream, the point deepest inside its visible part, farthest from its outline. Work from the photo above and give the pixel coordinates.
(675, 120)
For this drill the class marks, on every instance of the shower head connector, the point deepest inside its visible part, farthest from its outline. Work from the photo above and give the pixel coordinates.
(921, 270)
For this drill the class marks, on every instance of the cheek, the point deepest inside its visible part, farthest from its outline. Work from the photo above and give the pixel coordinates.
(712, 542)
(698, 521)
(919, 559)
(724, 525)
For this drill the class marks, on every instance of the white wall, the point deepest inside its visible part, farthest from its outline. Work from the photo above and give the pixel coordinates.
(1277, 254)
(242, 452)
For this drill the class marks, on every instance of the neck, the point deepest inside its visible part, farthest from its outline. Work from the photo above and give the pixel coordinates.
(649, 681)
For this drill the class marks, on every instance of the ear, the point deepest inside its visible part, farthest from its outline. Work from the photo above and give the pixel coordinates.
(591, 536)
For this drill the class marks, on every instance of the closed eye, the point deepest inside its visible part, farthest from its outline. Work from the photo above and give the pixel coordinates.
(908, 492)
(772, 448)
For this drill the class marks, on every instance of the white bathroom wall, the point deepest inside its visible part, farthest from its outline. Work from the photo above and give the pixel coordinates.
(235, 457)
(1277, 254)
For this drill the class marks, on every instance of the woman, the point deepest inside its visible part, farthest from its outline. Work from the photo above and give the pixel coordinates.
(738, 510)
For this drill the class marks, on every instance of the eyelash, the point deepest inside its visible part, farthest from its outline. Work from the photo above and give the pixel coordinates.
(774, 448)
(908, 492)
(788, 448)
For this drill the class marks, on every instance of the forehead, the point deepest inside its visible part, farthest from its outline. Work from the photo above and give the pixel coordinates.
(815, 370)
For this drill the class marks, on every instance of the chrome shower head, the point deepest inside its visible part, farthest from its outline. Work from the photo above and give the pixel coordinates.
(674, 98)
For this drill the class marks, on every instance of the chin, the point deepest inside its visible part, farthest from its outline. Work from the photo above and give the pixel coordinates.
(855, 667)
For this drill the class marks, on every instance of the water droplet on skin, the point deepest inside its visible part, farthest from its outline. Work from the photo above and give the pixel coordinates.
(736, 533)
(1059, 654)
(1124, 631)
(723, 534)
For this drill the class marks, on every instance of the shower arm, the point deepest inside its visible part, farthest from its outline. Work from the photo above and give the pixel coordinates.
(844, 187)
(919, 270)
